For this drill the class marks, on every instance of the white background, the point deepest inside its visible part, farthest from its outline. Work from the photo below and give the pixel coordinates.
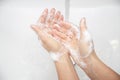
(22, 57)
(103, 22)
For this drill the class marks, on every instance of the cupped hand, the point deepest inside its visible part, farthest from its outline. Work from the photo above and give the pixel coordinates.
(43, 29)
(79, 42)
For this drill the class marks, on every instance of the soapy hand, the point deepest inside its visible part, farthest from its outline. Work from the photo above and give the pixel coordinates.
(44, 28)
(55, 33)
(77, 40)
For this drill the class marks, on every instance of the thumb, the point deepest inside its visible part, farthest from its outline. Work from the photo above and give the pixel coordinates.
(83, 26)
(38, 32)
(36, 29)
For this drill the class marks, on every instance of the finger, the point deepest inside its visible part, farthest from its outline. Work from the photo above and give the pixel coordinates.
(39, 32)
(56, 26)
(56, 17)
(75, 32)
(83, 26)
(60, 29)
(59, 34)
(43, 16)
(61, 18)
(65, 25)
(52, 12)
(51, 16)
(57, 37)
(36, 28)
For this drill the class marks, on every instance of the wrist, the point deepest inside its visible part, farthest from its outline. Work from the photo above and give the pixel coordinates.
(60, 55)
(64, 58)
(84, 62)
(56, 56)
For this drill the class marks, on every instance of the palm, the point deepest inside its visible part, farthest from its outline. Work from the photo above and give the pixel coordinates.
(43, 29)
(80, 47)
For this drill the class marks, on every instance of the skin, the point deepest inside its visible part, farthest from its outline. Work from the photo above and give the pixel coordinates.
(95, 69)
(64, 66)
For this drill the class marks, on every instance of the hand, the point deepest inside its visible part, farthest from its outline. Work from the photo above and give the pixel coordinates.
(80, 47)
(43, 28)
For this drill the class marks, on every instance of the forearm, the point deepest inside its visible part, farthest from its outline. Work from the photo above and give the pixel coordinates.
(65, 69)
(97, 70)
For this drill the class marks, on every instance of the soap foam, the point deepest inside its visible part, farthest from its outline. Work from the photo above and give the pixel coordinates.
(87, 40)
(56, 55)
(76, 53)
